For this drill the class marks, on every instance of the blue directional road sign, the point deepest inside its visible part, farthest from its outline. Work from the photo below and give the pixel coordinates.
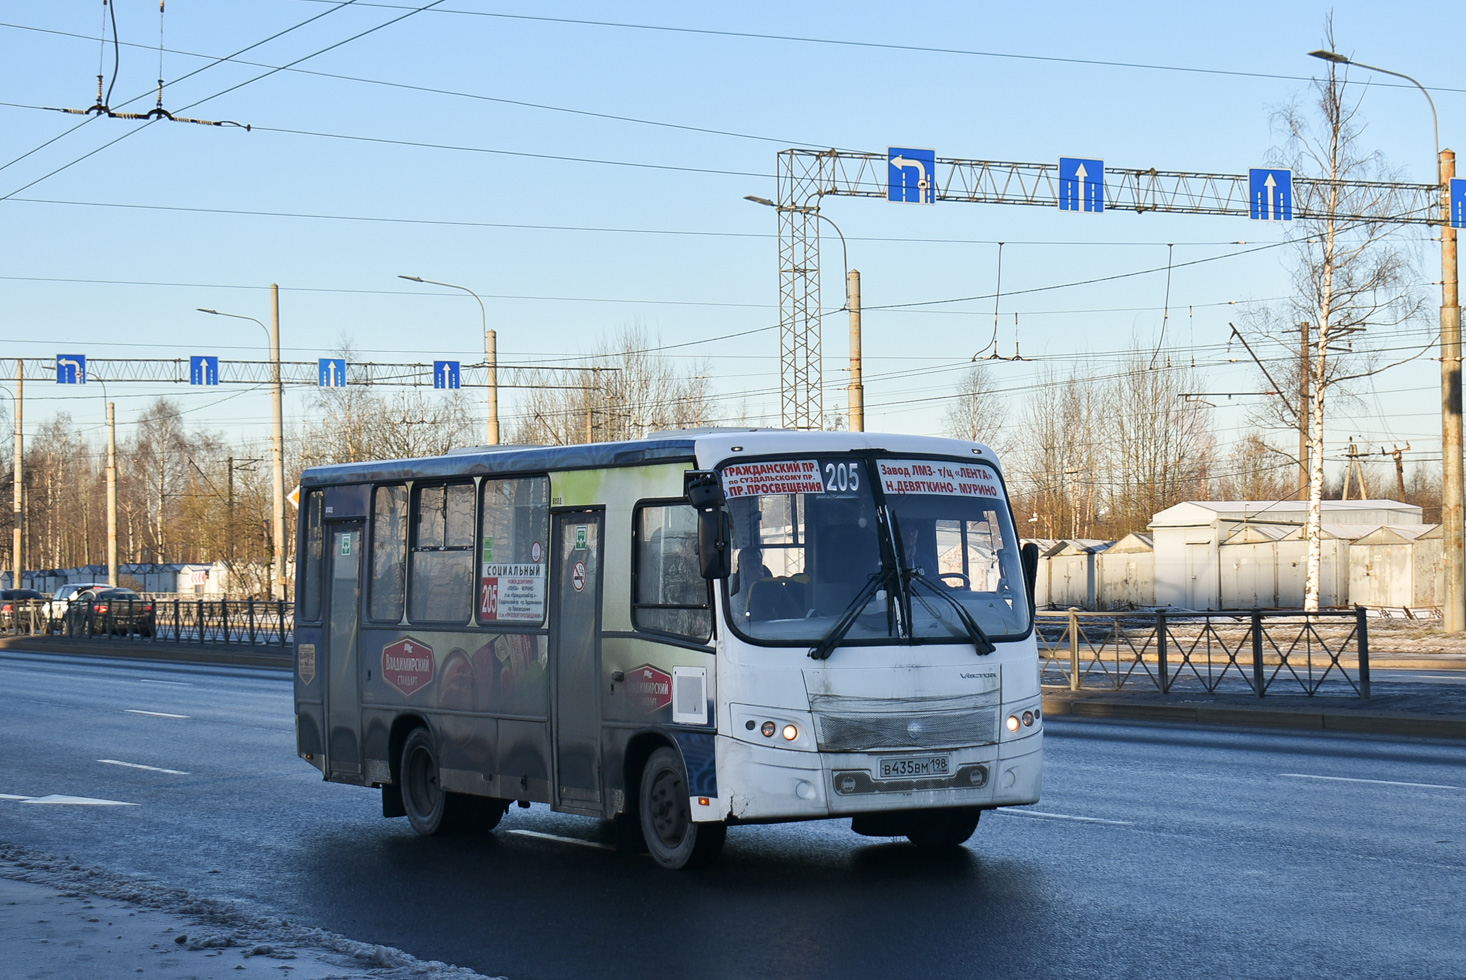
(1081, 184)
(71, 369)
(332, 372)
(911, 175)
(445, 374)
(1458, 203)
(1271, 195)
(203, 370)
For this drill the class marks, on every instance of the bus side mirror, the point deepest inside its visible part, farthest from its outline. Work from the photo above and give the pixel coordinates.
(703, 488)
(714, 558)
(1029, 553)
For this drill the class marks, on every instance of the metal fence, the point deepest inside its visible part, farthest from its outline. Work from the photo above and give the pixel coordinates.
(1246, 651)
(268, 623)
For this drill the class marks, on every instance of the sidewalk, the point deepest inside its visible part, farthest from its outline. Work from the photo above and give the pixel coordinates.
(64, 922)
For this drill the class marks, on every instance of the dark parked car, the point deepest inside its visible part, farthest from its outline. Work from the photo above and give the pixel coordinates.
(109, 610)
(23, 603)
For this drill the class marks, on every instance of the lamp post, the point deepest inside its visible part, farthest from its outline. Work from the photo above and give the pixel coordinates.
(112, 570)
(1453, 478)
(18, 545)
(491, 353)
(277, 505)
(852, 304)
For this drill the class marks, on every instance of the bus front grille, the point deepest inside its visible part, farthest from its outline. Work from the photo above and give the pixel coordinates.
(853, 725)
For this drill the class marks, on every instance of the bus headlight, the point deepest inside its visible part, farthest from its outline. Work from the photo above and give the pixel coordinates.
(1013, 723)
(790, 733)
(767, 729)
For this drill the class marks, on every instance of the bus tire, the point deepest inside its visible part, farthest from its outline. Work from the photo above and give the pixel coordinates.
(430, 809)
(940, 830)
(672, 838)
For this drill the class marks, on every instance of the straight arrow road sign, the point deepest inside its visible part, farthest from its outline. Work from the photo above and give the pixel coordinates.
(1081, 185)
(1458, 203)
(332, 372)
(446, 374)
(1270, 193)
(203, 370)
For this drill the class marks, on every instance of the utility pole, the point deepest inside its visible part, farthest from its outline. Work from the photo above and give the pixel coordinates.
(1453, 478)
(112, 570)
(277, 453)
(857, 390)
(1399, 455)
(18, 552)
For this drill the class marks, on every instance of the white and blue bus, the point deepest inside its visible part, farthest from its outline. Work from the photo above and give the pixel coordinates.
(697, 630)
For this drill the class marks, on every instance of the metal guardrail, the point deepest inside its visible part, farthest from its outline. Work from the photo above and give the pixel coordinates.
(260, 623)
(1242, 651)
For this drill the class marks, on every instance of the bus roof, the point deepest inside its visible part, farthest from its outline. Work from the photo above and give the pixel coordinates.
(706, 447)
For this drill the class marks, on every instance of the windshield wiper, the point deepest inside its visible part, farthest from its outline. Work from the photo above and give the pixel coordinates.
(826, 646)
(975, 633)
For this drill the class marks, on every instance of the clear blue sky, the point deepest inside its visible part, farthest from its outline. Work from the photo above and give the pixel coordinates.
(584, 176)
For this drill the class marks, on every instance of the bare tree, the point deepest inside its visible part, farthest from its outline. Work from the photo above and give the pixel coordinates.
(977, 413)
(1347, 274)
(633, 392)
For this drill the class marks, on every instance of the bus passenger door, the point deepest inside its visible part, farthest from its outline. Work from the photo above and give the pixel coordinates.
(575, 656)
(340, 640)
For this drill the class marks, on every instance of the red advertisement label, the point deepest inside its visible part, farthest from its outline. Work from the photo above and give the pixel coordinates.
(408, 665)
(648, 688)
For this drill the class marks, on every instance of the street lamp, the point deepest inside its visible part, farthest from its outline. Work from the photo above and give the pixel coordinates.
(277, 563)
(1453, 474)
(112, 570)
(491, 353)
(852, 303)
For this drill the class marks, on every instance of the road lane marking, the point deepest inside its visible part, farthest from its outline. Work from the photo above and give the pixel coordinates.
(1377, 782)
(564, 840)
(153, 714)
(134, 765)
(1064, 816)
(166, 683)
(76, 801)
(11, 796)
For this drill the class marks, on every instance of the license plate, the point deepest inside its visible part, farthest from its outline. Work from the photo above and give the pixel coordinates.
(930, 765)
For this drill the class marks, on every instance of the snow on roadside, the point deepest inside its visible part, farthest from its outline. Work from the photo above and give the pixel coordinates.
(221, 925)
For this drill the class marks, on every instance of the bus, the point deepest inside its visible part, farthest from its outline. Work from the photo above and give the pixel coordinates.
(701, 629)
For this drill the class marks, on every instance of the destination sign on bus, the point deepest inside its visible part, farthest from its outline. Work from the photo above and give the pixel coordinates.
(772, 476)
(512, 592)
(937, 477)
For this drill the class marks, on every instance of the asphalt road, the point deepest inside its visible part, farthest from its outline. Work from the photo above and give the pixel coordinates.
(1157, 851)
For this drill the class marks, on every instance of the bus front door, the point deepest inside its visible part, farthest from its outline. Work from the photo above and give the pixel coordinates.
(575, 656)
(342, 660)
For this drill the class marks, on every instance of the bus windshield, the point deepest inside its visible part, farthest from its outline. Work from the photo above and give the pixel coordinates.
(925, 548)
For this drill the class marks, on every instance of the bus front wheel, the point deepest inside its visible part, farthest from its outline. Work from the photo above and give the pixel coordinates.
(430, 808)
(666, 816)
(942, 829)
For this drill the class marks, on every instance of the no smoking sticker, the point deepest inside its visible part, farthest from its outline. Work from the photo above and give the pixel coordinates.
(577, 576)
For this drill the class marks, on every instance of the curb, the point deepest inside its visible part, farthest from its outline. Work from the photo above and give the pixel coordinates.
(215, 654)
(1429, 726)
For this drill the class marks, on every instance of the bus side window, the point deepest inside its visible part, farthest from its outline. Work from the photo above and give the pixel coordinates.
(389, 553)
(514, 526)
(669, 594)
(441, 572)
(310, 592)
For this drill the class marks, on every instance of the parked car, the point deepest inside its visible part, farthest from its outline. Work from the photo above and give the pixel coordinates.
(108, 610)
(55, 608)
(19, 602)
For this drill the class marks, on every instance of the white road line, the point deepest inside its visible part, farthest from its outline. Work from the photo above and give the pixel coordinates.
(153, 714)
(11, 796)
(76, 801)
(165, 683)
(1377, 782)
(563, 840)
(134, 765)
(1063, 816)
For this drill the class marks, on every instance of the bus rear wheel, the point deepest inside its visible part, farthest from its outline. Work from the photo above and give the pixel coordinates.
(945, 829)
(672, 837)
(431, 809)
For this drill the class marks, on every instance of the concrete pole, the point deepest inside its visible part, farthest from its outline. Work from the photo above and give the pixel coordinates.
(1454, 618)
(112, 570)
(277, 452)
(18, 552)
(491, 362)
(857, 390)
